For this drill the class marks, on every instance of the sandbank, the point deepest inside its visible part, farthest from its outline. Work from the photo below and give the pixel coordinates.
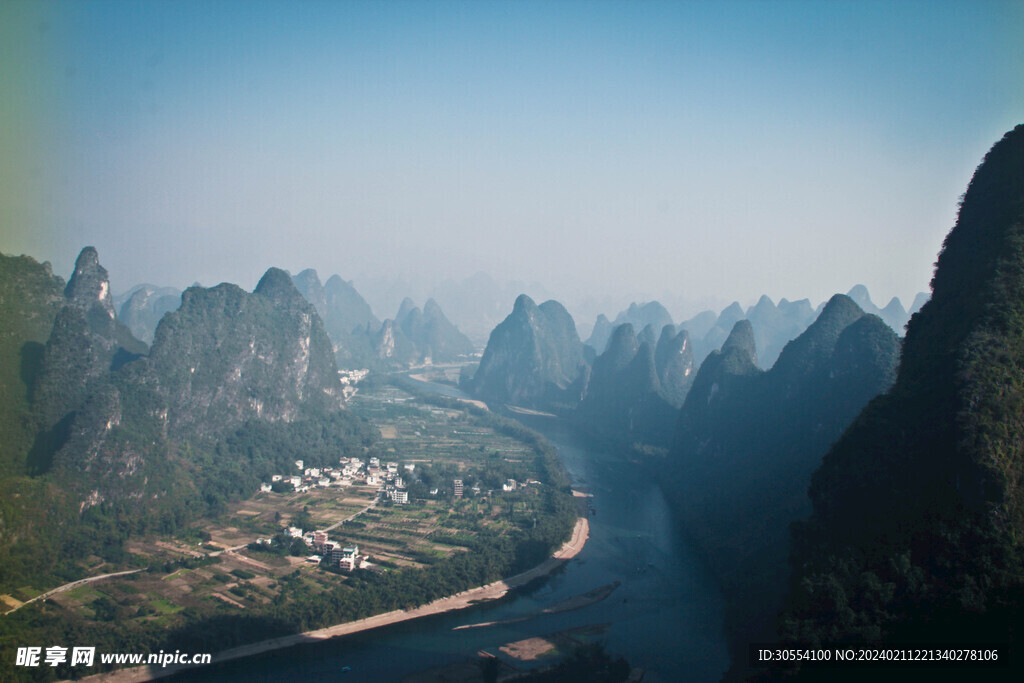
(491, 591)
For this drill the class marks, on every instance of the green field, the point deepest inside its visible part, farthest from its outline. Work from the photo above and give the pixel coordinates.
(210, 571)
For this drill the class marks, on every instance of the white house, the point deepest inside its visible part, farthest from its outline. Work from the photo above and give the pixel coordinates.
(350, 558)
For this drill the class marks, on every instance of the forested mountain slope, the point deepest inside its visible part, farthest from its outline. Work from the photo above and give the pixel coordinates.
(918, 521)
(747, 441)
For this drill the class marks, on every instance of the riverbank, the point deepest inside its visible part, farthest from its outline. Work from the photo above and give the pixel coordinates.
(468, 598)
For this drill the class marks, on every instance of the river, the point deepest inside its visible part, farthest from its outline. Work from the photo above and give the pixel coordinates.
(665, 616)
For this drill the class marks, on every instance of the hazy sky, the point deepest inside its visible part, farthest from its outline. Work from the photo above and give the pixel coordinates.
(717, 150)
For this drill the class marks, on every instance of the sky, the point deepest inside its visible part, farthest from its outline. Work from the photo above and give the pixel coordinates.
(697, 151)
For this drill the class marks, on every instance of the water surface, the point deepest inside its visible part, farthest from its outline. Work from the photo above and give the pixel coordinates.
(665, 616)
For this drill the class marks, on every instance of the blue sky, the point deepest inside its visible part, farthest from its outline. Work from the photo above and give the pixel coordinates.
(686, 149)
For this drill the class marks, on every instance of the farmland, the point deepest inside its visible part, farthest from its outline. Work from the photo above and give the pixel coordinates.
(215, 570)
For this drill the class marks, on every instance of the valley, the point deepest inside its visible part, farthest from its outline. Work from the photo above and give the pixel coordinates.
(509, 341)
(244, 562)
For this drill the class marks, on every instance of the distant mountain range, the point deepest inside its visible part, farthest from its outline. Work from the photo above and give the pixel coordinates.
(640, 316)
(774, 326)
(642, 373)
(747, 441)
(742, 442)
(636, 387)
(143, 307)
(347, 318)
(475, 304)
(432, 335)
(886, 475)
(359, 338)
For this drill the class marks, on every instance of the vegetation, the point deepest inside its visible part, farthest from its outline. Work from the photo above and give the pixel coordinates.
(347, 318)
(635, 389)
(429, 549)
(747, 442)
(918, 510)
(431, 334)
(30, 296)
(533, 357)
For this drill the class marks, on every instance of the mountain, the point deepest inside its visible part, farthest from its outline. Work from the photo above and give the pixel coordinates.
(699, 325)
(443, 340)
(30, 297)
(775, 326)
(433, 337)
(309, 285)
(919, 301)
(772, 326)
(894, 315)
(626, 398)
(601, 333)
(142, 310)
(361, 341)
(675, 364)
(719, 332)
(721, 376)
(405, 309)
(861, 297)
(648, 335)
(346, 309)
(235, 387)
(532, 357)
(86, 343)
(475, 304)
(918, 511)
(88, 291)
(226, 356)
(223, 358)
(346, 317)
(621, 350)
(391, 346)
(747, 441)
(641, 315)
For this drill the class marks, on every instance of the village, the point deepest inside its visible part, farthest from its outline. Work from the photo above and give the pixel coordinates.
(388, 478)
(436, 478)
